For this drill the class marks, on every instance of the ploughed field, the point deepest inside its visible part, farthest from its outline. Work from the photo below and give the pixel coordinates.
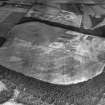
(52, 54)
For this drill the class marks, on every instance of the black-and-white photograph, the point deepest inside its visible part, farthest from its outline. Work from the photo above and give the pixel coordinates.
(52, 52)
